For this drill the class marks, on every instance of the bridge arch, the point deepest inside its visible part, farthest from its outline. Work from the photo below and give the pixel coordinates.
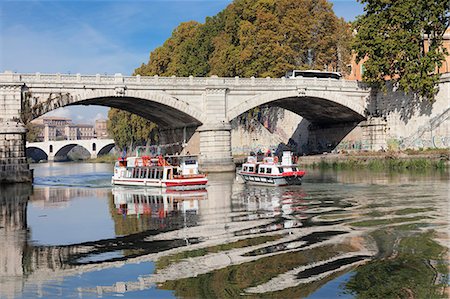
(65, 149)
(317, 107)
(36, 153)
(105, 149)
(159, 107)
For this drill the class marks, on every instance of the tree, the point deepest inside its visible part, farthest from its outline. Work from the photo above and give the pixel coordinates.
(32, 132)
(402, 41)
(130, 130)
(256, 38)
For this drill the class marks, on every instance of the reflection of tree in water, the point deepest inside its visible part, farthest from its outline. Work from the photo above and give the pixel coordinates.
(412, 271)
(232, 281)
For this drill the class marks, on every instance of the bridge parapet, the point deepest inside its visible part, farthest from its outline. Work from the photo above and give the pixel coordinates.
(178, 81)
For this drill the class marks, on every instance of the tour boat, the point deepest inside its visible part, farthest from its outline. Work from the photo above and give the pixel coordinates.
(269, 172)
(175, 172)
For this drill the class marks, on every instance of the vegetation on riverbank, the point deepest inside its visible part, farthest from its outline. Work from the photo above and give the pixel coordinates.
(407, 160)
(109, 158)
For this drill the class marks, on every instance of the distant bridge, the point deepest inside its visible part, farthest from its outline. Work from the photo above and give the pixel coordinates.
(51, 148)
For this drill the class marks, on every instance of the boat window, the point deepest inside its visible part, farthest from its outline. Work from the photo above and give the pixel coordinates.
(169, 173)
(262, 170)
(250, 169)
(280, 169)
(190, 162)
(294, 168)
(269, 170)
(245, 168)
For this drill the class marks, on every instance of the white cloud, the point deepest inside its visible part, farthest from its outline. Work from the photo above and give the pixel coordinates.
(99, 116)
(60, 112)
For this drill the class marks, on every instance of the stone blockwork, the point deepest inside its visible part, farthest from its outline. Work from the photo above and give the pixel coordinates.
(13, 163)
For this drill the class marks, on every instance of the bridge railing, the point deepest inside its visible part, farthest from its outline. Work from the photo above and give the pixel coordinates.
(174, 81)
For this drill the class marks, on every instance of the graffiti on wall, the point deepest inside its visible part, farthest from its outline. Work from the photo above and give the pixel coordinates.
(437, 141)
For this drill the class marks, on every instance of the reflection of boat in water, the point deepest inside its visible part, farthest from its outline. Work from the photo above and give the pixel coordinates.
(175, 172)
(269, 172)
(156, 202)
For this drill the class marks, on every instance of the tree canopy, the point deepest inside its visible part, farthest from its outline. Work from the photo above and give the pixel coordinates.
(256, 38)
(130, 130)
(402, 40)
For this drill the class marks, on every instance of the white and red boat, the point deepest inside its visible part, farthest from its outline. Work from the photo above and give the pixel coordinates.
(270, 172)
(175, 172)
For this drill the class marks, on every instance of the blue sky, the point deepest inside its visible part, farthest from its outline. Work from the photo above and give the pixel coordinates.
(108, 36)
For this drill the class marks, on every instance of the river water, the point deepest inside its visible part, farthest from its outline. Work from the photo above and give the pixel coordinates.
(345, 234)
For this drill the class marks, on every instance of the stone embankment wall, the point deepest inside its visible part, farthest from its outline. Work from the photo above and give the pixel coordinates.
(411, 122)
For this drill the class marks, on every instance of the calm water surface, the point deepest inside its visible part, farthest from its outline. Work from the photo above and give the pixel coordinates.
(340, 235)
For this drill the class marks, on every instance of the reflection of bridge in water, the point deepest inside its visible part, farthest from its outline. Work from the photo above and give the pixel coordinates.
(189, 224)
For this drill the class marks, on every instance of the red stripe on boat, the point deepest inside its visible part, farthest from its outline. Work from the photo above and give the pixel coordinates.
(173, 184)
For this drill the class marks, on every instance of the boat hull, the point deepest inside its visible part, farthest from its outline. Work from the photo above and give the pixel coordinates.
(261, 180)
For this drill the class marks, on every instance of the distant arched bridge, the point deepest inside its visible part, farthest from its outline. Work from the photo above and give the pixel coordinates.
(51, 149)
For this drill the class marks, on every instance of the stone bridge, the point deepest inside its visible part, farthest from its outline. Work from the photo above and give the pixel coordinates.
(54, 148)
(207, 106)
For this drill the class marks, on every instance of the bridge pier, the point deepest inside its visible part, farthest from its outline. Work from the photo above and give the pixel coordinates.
(215, 148)
(13, 162)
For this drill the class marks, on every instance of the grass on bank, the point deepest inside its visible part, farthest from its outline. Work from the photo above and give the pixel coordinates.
(109, 158)
(381, 164)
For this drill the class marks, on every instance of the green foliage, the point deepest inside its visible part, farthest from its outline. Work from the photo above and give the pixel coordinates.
(402, 40)
(32, 132)
(129, 130)
(382, 164)
(255, 38)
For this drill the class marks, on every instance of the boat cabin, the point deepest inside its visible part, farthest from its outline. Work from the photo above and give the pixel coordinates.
(270, 165)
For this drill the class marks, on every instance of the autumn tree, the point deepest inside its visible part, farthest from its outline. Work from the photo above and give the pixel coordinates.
(130, 130)
(256, 38)
(402, 41)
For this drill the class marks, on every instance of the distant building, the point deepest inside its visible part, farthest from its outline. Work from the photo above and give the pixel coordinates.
(357, 69)
(101, 128)
(61, 128)
(85, 131)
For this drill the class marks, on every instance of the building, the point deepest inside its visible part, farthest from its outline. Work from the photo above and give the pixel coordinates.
(101, 128)
(61, 128)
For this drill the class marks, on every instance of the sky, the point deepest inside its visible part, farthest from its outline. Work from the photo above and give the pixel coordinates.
(99, 36)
